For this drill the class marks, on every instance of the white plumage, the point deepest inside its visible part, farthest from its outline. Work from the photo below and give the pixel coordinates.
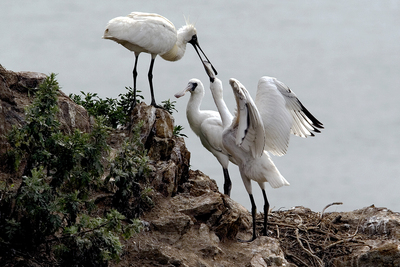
(154, 34)
(282, 113)
(248, 150)
(208, 126)
(261, 126)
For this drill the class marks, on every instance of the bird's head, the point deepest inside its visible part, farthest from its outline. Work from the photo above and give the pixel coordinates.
(194, 86)
(189, 35)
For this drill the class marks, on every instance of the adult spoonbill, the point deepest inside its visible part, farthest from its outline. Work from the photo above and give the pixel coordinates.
(154, 34)
(208, 126)
(261, 126)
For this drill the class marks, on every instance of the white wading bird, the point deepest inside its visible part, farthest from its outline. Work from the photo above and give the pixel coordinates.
(153, 34)
(208, 126)
(261, 126)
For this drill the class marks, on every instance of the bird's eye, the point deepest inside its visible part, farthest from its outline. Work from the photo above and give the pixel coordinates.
(194, 37)
(194, 85)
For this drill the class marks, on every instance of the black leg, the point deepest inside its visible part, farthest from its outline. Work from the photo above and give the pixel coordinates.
(133, 104)
(253, 215)
(266, 209)
(134, 81)
(227, 182)
(150, 76)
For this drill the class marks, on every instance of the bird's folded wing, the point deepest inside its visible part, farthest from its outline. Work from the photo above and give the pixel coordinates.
(151, 32)
(211, 130)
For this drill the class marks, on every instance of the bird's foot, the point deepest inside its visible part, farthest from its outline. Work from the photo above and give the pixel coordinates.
(264, 233)
(228, 193)
(132, 107)
(156, 106)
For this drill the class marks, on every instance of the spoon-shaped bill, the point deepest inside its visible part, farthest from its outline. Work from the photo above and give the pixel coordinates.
(196, 45)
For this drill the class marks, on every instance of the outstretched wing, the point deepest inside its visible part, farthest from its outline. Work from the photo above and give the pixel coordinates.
(276, 118)
(282, 113)
(304, 122)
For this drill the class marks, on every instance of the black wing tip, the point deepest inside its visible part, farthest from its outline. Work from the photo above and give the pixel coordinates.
(316, 130)
(318, 126)
(315, 123)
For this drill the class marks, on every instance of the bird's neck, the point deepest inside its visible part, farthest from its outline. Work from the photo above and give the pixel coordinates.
(223, 110)
(193, 112)
(177, 51)
(193, 106)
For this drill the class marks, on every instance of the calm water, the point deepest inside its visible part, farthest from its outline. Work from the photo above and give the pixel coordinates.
(342, 59)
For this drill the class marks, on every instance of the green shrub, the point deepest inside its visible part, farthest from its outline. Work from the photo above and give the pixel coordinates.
(94, 241)
(115, 111)
(34, 140)
(74, 159)
(169, 106)
(51, 210)
(36, 210)
(177, 131)
(128, 171)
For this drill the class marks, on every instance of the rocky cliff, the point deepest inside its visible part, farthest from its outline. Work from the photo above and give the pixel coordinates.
(193, 224)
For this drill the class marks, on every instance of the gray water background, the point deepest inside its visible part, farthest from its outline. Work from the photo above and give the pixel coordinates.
(341, 58)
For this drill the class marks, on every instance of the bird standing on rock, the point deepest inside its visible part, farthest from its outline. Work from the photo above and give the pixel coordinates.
(154, 34)
(261, 126)
(208, 126)
(258, 127)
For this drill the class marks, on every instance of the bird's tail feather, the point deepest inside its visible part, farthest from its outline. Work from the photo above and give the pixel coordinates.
(272, 174)
(277, 181)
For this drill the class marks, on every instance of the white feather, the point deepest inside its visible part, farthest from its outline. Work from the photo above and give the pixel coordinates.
(250, 129)
(282, 113)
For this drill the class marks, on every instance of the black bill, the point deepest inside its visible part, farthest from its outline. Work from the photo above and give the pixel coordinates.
(196, 45)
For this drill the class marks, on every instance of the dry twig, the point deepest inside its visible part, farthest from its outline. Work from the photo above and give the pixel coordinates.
(306, 241)
(319, 261)
(329, 205)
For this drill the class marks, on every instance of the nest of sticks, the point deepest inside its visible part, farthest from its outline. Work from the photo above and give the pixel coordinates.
(313, 239)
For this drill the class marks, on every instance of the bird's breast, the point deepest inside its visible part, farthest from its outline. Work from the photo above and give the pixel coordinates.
(174, 54)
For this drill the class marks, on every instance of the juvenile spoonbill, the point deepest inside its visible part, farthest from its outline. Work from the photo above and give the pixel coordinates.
(154, 34)
(261, 126)
(208, 126)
